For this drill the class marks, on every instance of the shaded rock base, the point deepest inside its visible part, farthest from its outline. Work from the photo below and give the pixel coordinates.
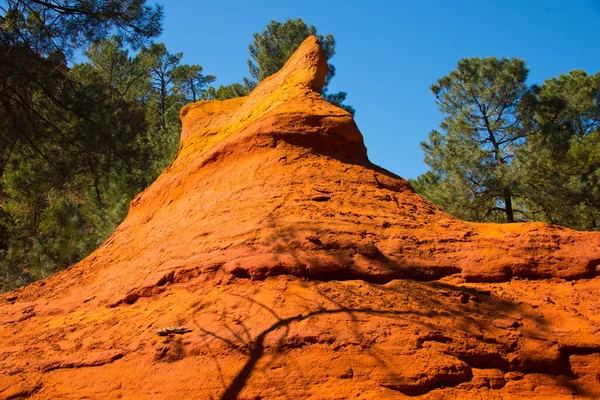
(286, 337)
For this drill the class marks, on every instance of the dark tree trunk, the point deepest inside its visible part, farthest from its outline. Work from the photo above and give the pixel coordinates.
(508, 209)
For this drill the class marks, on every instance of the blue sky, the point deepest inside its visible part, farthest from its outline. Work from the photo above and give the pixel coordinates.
(388, 53)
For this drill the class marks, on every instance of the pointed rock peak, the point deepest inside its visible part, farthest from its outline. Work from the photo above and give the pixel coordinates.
(307, 66)
(305, 69)
(287, 105)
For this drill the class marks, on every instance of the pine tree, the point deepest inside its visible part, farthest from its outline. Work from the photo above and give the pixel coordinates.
(562, 153)
(473, 153)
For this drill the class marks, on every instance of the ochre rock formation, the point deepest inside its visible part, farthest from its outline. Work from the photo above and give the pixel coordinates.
(273, 260)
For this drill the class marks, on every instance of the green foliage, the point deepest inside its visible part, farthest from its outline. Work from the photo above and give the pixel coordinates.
(55, 186)
(505, 149)
(79, 143)
(62, 26)
(165, 86)
(337, 99)
(190, 82)
(226, 92)
(562, 153)
(454, 196)
(472, 156)
(36, 38)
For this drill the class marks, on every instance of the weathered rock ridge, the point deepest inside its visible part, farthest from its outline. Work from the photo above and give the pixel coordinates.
(276, 261)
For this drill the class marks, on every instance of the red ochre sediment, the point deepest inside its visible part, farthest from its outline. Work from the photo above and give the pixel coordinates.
(302, 269)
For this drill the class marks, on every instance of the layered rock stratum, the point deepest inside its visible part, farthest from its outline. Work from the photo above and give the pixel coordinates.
(272, 259)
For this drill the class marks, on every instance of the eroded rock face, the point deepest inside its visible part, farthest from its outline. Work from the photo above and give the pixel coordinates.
(301, 270)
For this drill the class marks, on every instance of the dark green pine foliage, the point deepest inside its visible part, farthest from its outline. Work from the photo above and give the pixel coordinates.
(511, 153)
(69, 185)
(165, 86)
(561, 158)
(78, 143)
(226, 92)
(472, 157)
(60, 138)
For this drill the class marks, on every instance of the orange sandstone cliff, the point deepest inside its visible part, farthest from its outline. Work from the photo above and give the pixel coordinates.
(272, 259)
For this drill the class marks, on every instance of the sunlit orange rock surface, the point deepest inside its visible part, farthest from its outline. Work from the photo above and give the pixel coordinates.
(286, 265)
